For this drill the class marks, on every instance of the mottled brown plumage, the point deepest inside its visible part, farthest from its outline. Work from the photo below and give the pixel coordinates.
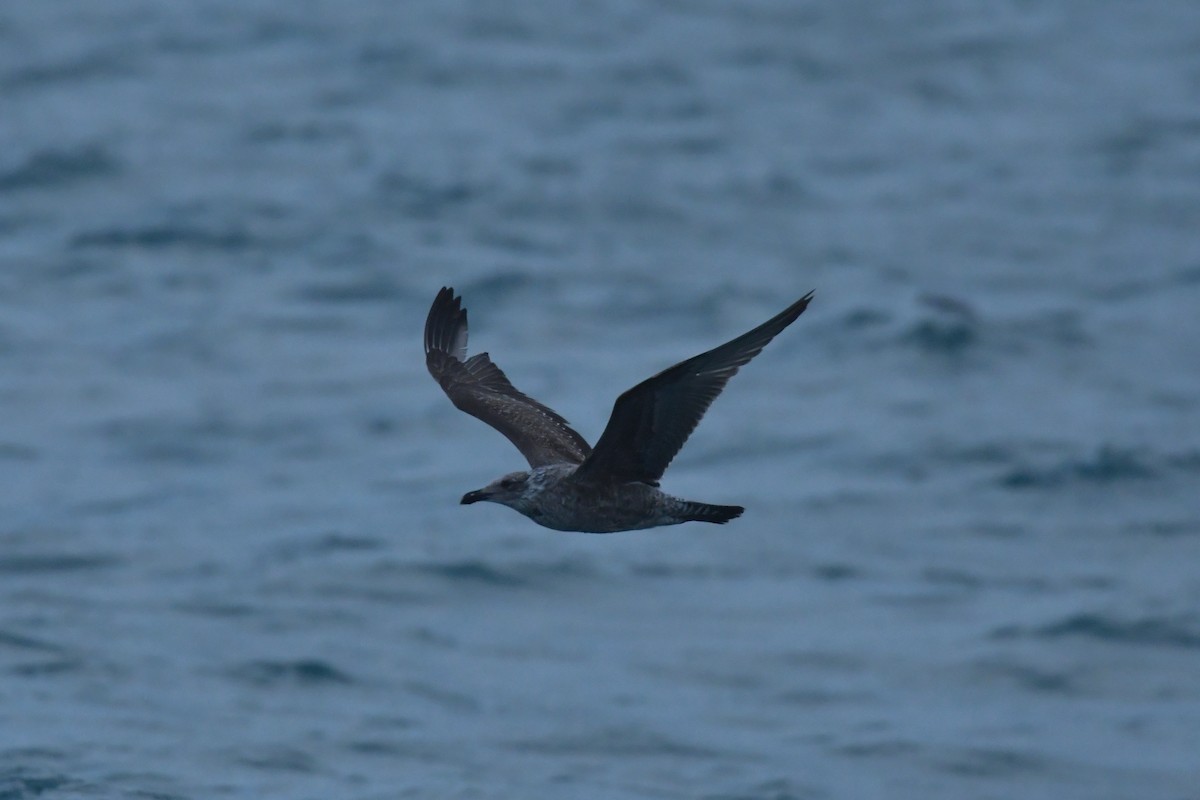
(477, 386)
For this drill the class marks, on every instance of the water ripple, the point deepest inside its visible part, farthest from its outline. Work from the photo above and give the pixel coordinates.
(305, 671)
(57, 168)
(1175, 631)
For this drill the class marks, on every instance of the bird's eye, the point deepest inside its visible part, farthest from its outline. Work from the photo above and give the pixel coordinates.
(507, 483)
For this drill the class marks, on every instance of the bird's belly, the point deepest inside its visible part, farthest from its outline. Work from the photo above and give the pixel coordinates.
(605, 509)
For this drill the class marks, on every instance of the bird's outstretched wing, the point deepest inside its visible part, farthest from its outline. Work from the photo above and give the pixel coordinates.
(651, 421)
(477, 386)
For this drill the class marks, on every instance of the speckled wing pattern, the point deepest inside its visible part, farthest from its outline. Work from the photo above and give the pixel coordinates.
(651, 421)
(477, 386)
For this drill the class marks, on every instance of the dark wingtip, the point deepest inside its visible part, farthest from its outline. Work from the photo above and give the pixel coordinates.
(778, 322)
(734, 513)
(446, 318)
(784, 318)
(707, 512)
(801, 304)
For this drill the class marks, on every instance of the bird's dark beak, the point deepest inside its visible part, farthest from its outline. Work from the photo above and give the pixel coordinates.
(473, 497)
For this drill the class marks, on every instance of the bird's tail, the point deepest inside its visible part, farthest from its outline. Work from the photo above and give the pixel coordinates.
(706, 512)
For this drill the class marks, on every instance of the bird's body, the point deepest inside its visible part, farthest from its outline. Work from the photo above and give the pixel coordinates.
(570, 486)
(555, 497)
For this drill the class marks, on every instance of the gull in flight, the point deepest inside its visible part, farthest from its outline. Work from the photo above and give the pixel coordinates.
(570, 486)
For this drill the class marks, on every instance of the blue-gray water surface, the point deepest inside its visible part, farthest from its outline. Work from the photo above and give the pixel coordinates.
(232, 559)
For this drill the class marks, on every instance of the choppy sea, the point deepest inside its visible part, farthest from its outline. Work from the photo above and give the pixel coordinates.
(232, 559)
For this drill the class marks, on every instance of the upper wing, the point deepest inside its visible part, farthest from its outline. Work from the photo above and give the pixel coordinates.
(651, 421)
(478, 387)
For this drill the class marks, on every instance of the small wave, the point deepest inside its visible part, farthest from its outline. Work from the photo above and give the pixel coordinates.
(992, 763)
(19, 641)
(170, 441)
(368, 288)
(1179, 631)
(688, 571)
(160, 237)
(322, 545)
(1188, 462)
(837, 571)
(471, 571)
(621, 742)
(521, 574)
(19, 782)
(37, 669)
(422, 198)
(1108, 465)
(218, 609)
(109, 62)
(950, 329)
(948, 325)
(1168, 528)
(880, 747)
(446, 699)
(39, 772)
(205, 439)
(1024, 676)
(779, 789)
(54, 562)
(308, 672)
(278, 759)
(52, 168)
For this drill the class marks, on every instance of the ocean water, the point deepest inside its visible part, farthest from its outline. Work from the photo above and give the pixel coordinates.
(232, 559)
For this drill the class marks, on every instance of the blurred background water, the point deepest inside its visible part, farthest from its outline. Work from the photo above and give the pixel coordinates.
(232, 562)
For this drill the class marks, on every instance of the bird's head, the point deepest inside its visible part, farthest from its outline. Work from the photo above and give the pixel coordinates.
(509, 491)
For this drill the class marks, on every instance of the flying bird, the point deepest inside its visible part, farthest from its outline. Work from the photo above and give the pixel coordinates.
(570, 486)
